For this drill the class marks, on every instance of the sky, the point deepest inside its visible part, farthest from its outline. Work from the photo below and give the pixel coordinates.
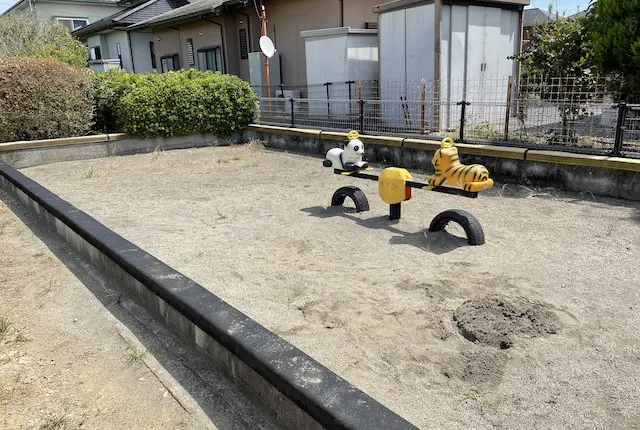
(570, 6)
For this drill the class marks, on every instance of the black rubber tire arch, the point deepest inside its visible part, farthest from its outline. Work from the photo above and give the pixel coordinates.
(355, 194)
(470, 224)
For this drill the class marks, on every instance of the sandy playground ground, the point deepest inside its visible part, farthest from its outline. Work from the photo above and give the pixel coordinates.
(538, 328)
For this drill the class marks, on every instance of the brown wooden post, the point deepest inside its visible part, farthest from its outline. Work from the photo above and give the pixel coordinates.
(266, 59)
(507, 115)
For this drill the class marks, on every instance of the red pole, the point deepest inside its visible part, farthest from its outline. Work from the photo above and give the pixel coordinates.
(266, 59)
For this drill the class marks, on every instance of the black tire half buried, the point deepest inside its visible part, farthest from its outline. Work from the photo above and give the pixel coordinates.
(355, 194)
(470, 224)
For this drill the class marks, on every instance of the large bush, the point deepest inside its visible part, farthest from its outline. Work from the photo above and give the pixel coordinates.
(23, 35)
(108, 90)
(187, 102)
(43, 99)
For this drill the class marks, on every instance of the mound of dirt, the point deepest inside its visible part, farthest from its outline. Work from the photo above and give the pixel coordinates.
(478, 366)
(498, 320)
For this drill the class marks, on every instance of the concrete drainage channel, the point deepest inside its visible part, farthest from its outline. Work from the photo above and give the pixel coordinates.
(299, 392)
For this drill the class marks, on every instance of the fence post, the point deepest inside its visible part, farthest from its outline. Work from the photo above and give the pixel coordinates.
(423, 93)
(463, 111)
(360, 108)
(508, 113)
(349, 83)
(293, 121)
(282, 90)
(326, 84)
(619, 140)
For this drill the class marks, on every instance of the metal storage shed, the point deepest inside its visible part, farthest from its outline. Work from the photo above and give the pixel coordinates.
(335, 56)
(459, 47)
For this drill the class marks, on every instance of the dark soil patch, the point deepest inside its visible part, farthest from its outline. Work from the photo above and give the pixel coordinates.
(497, 320)
(478, 366)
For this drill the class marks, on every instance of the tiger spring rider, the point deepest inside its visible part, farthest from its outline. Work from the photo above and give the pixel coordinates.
(395, 186)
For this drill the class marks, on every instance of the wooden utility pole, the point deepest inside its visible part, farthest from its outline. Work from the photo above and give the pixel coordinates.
(266, 59)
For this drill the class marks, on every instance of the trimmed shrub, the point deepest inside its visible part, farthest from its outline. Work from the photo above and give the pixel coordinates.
(24, 35)
(187, 102)
(43, 99)
(108, 90)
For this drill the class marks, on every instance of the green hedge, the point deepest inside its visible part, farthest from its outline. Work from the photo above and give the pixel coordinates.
(174, 103)
(108, 90)
(43, 99)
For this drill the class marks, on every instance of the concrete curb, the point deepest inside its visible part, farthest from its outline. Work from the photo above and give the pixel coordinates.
(513, 153)
(301, 393)
(33, 153)
(600, 175)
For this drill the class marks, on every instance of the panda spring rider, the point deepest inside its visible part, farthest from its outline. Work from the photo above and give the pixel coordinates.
(348, 158)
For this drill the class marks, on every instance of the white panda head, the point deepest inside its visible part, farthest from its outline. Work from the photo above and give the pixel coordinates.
(354, 149)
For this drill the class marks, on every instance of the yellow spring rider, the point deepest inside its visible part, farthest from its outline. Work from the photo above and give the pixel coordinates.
(395, 186)
(449, 172)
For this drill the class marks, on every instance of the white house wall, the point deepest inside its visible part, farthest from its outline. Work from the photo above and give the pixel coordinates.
(120, 37)
(141, 51)
(50, 11)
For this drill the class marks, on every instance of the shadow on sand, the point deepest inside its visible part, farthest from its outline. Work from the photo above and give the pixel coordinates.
(440, 242)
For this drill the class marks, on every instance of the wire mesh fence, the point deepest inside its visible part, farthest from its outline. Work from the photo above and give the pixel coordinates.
(564, 112)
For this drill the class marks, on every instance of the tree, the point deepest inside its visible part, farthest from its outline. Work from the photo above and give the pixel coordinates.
(559, 48)
(614, 29)
(558, 65)
(22, 35)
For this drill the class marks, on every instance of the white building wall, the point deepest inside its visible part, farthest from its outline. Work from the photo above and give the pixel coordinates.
(91, 12)
(119, 37)
(476, 42)
(339, 58)
(407, 55)
(141, 51)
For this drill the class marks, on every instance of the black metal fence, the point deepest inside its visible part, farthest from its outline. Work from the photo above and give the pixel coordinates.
(563, 113)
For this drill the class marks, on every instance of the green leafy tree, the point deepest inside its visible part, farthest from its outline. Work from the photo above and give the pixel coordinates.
(22, 35)
(558, 65)
(614, 29)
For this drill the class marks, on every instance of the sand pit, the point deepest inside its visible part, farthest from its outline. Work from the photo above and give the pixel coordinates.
(374, 301)
(498, 320)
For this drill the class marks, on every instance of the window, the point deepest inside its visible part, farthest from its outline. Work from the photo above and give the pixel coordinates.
(153, 55)
(210, 59)
(244, 48)
(73, 23)
(170, 62)
(95, 53)
(190, 59)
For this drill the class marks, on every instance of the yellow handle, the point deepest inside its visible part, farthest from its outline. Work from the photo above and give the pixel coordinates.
(447, 142)
(353, 135)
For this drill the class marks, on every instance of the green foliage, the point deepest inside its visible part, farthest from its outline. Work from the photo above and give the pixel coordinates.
(108, 90)
(187, 102)
(614, 29)
(560, 47)
(558, 64)
(23, 35)
(43, 99)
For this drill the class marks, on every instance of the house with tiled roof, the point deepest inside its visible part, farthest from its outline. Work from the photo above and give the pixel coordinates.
(73, 14)
(112, 45)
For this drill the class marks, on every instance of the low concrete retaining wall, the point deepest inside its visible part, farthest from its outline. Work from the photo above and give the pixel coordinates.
(600, 175)
(33, 153)
(299, 391)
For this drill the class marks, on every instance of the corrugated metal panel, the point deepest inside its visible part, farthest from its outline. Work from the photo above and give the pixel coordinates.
(392, 64)
(420, 58)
